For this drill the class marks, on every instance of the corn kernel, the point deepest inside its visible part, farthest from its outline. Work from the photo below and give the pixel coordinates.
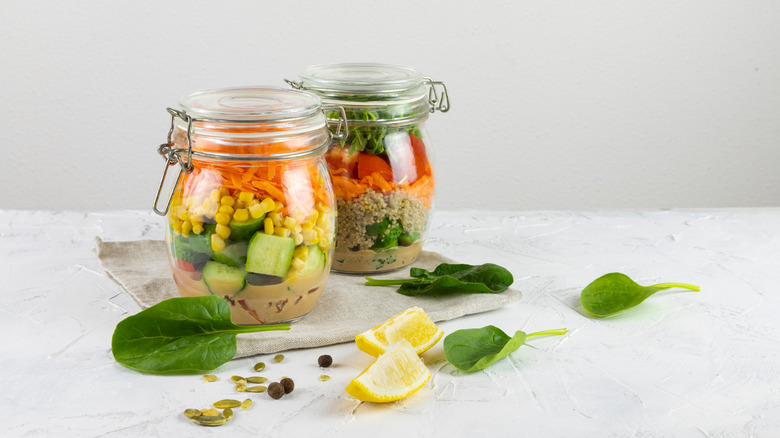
(276, 217)
(222, 218)
(278, 206)
(323, 219)
(291, 276)
(268, 205)
(239, 204)
(227, 200)
(322, 207)
(289, 222)
(320, 232)
(324, 243)
(241, 215)
(223, 231)
(256, 211)
(225, 209)
(282, 232)
(197, 228)
(181, 212)
(186, 227)
(297, 263)
(246, 197)
(314, 215)
(309, 236)
(308, 224)
(214, 195)
(268, 226)
(217, 243)
(298, 237)
(302, 252)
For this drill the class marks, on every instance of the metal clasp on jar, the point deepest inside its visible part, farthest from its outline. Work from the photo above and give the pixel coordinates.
(342, 130)
(439, 100)
(173, 156)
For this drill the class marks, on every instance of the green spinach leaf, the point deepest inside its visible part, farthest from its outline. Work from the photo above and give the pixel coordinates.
(616, 292)
(448, 279)
(180, 335)
(476, 349)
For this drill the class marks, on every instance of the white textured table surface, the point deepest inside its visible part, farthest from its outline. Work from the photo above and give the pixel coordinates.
(703, 364)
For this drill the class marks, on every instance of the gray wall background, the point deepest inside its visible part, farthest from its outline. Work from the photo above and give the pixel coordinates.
(555, 105)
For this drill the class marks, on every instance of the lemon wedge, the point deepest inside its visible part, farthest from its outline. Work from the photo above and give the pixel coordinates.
(412, 324)
(396, 374)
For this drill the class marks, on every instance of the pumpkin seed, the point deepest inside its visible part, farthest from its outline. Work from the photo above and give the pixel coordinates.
(227, 403)
(238, 379)
(209, 378)
(324, 377)
(260, 366)
(278, 358)
(258, 388)
(256, 379)
(192, 413)
(228, 413)
(246, 403)
(209, 412)
(210, 420)
(240, 387)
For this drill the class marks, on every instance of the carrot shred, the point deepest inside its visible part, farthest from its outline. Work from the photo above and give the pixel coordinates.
(380, 182)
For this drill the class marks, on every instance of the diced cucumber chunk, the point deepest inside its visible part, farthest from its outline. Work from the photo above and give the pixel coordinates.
(406, 239)
(256, 279)
(389, 238)
(234, 254)
(379, 227)
(246, 229)
(269, 254)
(315, 262)
(222, 279)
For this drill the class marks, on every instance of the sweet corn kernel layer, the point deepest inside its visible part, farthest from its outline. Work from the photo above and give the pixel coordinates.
(222, 207)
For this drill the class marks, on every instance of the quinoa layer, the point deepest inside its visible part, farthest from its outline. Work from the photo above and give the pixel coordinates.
(372, 207)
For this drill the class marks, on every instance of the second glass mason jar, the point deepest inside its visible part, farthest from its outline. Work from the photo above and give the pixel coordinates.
(382, 171)
(252, 212)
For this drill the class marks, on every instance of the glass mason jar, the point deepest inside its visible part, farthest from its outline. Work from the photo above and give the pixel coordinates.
(251, 213)
(382, 171)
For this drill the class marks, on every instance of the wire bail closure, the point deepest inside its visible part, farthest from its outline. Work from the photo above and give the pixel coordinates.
(173, 156)
(437, 103)
(342, 128)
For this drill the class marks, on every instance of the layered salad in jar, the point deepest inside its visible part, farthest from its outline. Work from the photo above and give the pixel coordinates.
(258, 234)
(383, 182)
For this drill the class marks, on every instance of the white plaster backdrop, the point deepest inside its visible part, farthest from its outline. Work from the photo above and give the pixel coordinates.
(555, 105)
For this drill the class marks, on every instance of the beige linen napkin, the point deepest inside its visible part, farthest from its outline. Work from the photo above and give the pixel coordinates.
(347, 307)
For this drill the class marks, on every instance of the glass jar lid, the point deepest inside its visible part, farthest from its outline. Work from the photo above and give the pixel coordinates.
(404, 91)
(251, 104)
(376, 79)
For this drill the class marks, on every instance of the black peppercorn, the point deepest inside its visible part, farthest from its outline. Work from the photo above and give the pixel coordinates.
(287, 384)
(276, 390)
(325, 360)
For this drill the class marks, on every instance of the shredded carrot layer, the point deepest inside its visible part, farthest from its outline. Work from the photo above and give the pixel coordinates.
(297, 185)
(350, 188)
